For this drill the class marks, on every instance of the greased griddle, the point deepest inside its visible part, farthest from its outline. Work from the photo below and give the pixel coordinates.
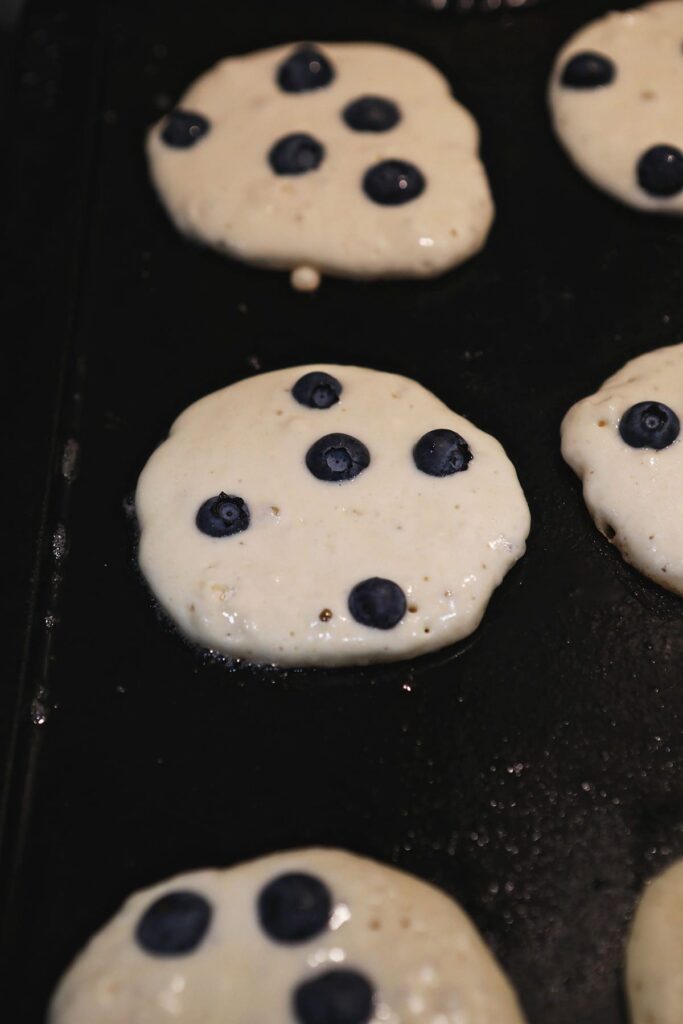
(536, 770)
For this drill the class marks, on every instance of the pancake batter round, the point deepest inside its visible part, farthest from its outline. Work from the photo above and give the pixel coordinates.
(624, 442)
(349, 158)
(654, 960)
(305, 937)
(327, 515)
(616, 97)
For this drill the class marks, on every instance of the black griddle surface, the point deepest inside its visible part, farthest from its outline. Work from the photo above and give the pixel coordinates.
(535, 771)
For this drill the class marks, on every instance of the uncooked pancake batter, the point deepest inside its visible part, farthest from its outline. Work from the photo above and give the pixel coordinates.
(349, 158)
(616, 96)
(654, 959)
(325, 515)
(305, 937)
(625, 444)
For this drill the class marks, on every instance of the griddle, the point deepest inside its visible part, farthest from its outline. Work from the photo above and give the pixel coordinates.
(534, 771)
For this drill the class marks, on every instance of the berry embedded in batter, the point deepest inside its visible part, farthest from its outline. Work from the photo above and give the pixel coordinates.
(296, 154)
(317, 390)
(294, 907)
(393, 182)
(442, 452)
(340, 996)
(183, 128)
(649, 425)
(306, 69)
(371, 114)
(660, 170)
(337, 457)
(223, 516)
(588, 71)
(378, 603)
(175, 924)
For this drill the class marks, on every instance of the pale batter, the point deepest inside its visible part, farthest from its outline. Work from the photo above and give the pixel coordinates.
(305, 937)
(348, 158)
(625, 444)
(339, 549)
(654, 957)
(616, 97)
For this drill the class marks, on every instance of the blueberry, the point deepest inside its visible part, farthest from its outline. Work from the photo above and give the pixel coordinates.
(649, 425)
(306, 69)
(317, 390)
(183, 128)
(393, 182)
(294, 907)
(223, 515)
(442, 452)
(378, 603)
(371, 114)
(337, 457)
(174, 924)
(296, 154)
(588, 70)
(660, 171)
(336, 997)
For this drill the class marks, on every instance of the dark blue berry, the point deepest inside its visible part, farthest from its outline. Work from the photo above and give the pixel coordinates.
(175, 924)
(660, 171)
(317, 390)
(296, 154)
(306, 69)
(588, 70)
(294, 907)
(393, 182)
(183, 128)
(649, 425)
(442, 452)
(371, 114)
(337, 457)
(378, 603)
(336, 997)
(223, 515)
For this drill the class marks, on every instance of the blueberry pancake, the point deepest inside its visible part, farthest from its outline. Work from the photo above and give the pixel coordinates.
(351, 159)
(654, 958)
(625, 444)
(616, 96)
(305, 937)
(326, 515)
